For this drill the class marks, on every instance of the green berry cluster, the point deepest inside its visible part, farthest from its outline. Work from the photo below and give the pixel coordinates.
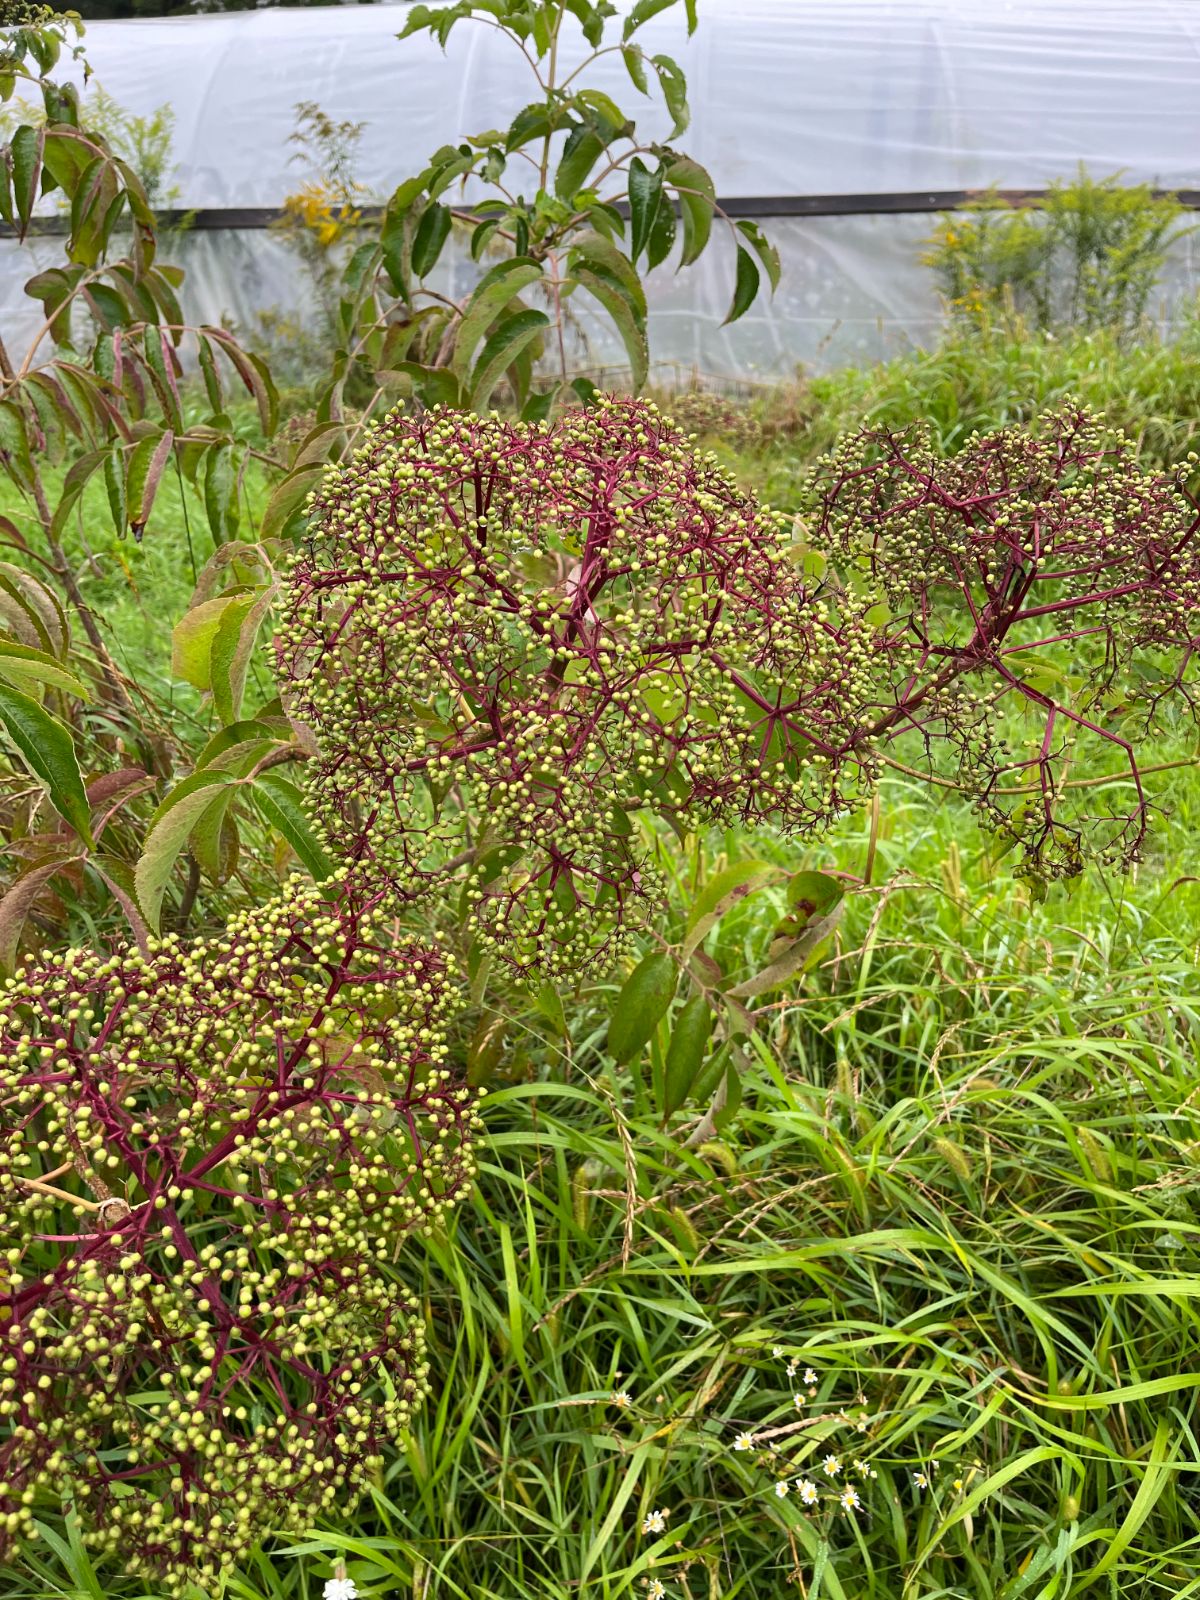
(207, 1151)
(517, 637)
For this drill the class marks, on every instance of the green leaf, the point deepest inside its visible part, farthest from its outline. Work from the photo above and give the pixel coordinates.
(490, 296)
(513, 336)
(168, 833)
(282, 805)
(662, 234)
(635, 65)
(147, 460)
(27, 669)
(605, 261)
(642, 12)
(583, 149)
(764, 249)
(47, 749)
(745, 286)
(220, 492)
(674, 91)
(645, 192)
(25, 149)
(697, 199)
(720, 893)
(724, 1114)
(192, 639)
(690, 1033)
(641, 1005)
(628, 324)
(287, 501)
(432, 232)
(228, 660)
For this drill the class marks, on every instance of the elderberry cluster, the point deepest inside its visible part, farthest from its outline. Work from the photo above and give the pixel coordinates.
(519, 636)
(207, 1150)
(1037, 596)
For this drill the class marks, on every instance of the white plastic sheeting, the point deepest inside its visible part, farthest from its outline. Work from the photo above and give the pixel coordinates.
(789, 98)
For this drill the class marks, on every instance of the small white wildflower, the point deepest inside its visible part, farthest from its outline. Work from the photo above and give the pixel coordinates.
(862, 1424)
(781, 1489)
(831, 1466)
(656, 1590)
(862, 1469)
(809, 1375)
(744, 1441)
(621, 1398)
(656, 1522)
(809, 1492)
(798, 1401)
(777, 1352)
(849, 1498)
(340, 1589)
(792, 1368)
(921, 1481)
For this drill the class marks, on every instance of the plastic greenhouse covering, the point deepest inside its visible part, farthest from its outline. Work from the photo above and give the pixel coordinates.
(791, 99)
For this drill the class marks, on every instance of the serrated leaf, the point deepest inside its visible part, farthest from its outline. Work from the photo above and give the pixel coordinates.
(767, 254)
(641, 1005)
(47, 749)
(192, 640)
(697, 199)
(583, 149)
(641, 13)
(674, 91)
(25, 151)
(147, 460)
(167, 835)
(690, 1032)
(645, 192)
(745, 286)
(635, 65)
(26, 668)
(282, 805)
(628, 324)
(288, 500)
(488, 299)
(432, 232)
(503, 347)
(719, 895)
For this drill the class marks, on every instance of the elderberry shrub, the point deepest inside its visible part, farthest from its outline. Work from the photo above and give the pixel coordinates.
(507, 639)
(207, 1150)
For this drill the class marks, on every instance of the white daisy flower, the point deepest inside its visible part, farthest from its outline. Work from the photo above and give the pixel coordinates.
(744, 1441)
(655, 1522)
(809, 1492)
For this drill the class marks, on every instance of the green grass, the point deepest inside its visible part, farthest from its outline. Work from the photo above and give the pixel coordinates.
(963, 1184)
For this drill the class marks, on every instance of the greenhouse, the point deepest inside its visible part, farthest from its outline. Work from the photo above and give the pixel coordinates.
(861, 121)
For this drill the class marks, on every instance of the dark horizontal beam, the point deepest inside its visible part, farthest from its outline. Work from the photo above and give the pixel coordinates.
(220, 219)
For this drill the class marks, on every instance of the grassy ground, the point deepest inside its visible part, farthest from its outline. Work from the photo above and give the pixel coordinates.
(962, 1189)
